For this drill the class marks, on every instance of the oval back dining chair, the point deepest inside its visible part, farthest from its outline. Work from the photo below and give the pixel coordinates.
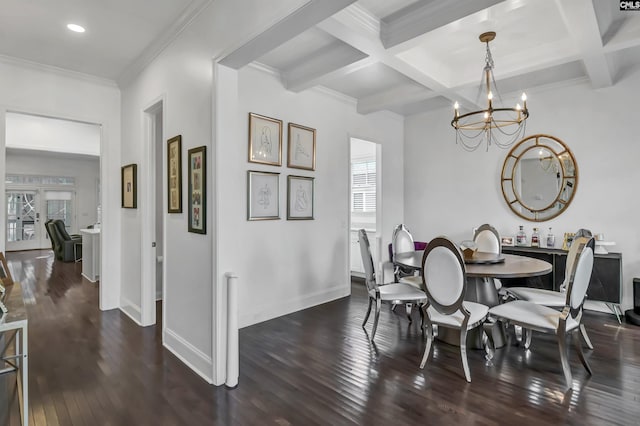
(564, 324)
(552, 298)
(394, 293)
(487, 239)
(444, 281)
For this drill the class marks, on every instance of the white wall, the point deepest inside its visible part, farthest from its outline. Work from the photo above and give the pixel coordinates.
(284, 266)
(182, 76)
(51, 92)
(85, 170)
(449, 191)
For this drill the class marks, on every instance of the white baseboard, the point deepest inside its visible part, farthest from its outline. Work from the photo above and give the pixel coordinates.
(131, 310)
(194, 358)
(294, 305)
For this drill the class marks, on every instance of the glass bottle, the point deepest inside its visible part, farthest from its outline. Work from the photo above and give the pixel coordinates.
(535, 238)
(551, 239)
(521, 237)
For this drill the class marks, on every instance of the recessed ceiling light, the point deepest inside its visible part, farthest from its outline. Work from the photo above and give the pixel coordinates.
(76, 28)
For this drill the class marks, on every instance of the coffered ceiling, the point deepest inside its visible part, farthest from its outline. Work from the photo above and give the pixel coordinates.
(403, 56)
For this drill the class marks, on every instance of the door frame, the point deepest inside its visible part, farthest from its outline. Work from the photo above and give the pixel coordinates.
(153, 113)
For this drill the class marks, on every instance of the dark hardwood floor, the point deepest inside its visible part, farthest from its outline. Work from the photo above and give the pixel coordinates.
(312, 367)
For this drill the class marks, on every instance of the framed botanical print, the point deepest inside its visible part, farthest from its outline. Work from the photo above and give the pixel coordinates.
(263, 195)
(129, 186)
(299, 198)
(302, 147)
(265, 140)
(174, 174)
(198, 190)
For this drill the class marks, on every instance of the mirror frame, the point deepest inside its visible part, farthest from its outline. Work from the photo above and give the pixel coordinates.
(509, 170)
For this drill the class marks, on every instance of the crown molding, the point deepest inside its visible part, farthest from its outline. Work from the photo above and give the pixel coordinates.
(365, 19)
(50, 69)
(169, 35)
(265, 69)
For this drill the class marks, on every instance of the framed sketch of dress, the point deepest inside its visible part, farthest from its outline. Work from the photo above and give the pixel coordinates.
(299, 197)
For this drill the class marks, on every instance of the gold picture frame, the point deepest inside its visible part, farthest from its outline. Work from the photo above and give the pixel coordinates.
(302, 147)
(174, 174)
(130, 186)
(197, 158)
(568, 240)
(265, 140)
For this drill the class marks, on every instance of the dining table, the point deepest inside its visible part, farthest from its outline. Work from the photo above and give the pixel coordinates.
(481, 269)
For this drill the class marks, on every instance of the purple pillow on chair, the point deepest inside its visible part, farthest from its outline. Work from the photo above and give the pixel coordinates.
(419, 245)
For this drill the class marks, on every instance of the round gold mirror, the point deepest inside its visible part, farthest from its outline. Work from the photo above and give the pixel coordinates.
(539, 178)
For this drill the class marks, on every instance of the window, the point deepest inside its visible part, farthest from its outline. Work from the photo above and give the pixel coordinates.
(363, 186)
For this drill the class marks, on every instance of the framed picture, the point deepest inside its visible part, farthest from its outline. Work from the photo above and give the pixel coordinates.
(568, 240)
(507, 241)
(174, 174)
(299, 198)
(265, 140)
(198, 190)
(263, 195)
(5, 273)
(130, 186)
(302, 147)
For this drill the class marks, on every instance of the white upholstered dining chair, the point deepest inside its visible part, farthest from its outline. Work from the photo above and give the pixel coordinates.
(551, 298)
(564, 324)
(393, 293)
(444, 282)
(487, 240)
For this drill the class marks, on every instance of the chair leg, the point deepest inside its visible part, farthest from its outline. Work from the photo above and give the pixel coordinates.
(375, 319)
(366, 317)
(427, 346)
(564, 357)
(489, 345)
(409, 307)
(578, 346)
(585, 336)
(527, 337)
(421, 318)
(463, 354)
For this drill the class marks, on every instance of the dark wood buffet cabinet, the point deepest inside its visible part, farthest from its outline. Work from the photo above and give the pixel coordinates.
(606, 279)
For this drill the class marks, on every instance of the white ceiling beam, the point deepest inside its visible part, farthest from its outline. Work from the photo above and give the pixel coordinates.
(421, 17)
(353, 26)
(396, 96)
(302, 19)
(336, 59)
(582, 24)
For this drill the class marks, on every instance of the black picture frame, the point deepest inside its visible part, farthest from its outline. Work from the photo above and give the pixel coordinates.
(129, 188)
(197, 158)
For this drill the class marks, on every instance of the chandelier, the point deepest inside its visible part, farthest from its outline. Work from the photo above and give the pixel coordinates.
(498, 126)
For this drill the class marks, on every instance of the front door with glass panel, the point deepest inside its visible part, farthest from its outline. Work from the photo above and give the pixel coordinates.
(23, 221)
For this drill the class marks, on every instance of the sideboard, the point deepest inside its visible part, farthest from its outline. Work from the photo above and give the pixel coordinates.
(606, 278)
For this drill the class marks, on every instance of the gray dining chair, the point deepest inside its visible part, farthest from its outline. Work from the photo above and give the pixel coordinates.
(565, 323)
(551, 298)
(393, 293)
(444, 281)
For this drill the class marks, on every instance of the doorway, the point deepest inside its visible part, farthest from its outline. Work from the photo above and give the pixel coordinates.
(29, 208)
(364, 201)
(153, 213)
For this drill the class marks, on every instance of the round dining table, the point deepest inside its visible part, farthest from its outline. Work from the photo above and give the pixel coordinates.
(481, 268)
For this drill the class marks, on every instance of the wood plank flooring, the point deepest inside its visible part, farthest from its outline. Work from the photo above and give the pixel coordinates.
(314, 367)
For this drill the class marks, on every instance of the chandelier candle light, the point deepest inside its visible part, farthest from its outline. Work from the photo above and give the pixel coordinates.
(499, 126)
